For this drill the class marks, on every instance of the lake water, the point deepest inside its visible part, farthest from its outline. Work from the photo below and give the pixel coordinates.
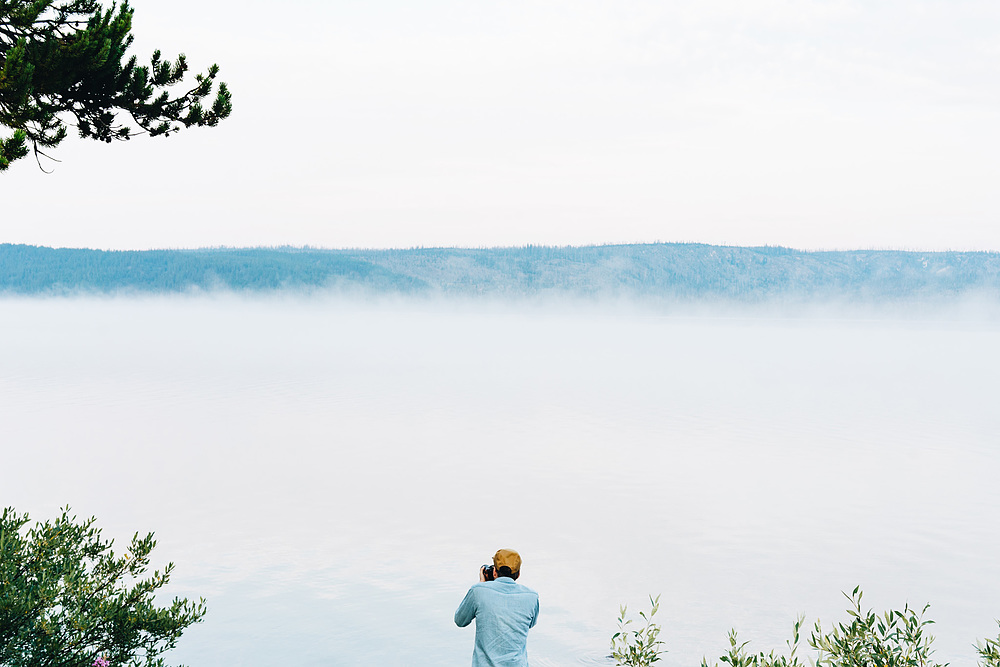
(330, 474)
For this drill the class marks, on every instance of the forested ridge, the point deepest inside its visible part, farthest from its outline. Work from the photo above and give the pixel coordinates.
(688, 272)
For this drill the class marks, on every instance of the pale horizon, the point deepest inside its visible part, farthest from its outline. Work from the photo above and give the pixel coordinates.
(310, 246)
(810, 125)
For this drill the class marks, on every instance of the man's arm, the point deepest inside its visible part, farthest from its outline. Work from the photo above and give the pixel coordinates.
(467, 610)
(534, 616)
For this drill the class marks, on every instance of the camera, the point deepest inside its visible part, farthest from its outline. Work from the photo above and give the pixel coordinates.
(488, 573)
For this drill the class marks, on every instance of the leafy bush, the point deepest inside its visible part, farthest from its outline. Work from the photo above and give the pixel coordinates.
(67, 600)
(737, 656)
(989, 652)
(896, 638)
(637, 647)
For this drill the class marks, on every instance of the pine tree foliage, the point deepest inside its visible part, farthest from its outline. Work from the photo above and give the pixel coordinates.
(66, 61)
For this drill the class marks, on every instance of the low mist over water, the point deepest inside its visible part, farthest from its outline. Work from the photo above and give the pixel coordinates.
(330, 474)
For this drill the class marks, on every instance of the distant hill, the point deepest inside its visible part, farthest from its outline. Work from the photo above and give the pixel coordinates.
(675, 271)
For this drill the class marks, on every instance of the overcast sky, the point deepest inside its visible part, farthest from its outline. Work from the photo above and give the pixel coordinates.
(812, 124)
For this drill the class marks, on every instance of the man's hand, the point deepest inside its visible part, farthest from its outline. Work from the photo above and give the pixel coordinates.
(482, 573)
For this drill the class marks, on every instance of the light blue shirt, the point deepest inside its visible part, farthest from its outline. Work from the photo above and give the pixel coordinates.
(504, 611)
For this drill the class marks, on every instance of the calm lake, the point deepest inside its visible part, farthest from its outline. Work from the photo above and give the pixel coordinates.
(330, 474)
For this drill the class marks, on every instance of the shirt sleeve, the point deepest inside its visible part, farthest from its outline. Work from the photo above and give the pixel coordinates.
(467, 610)
(534, 616)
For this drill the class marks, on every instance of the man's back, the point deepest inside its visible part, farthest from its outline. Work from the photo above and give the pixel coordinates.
(504, 611)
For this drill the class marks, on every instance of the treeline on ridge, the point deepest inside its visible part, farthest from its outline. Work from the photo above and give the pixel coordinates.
(678, 271)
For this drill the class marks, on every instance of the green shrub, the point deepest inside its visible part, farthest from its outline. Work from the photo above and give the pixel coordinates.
(989, 652)
(737, 656)
(68, 600)
(637, 647)
(896, 638)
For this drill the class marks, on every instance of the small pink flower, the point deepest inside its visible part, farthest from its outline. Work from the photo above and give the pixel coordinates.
(101, 662)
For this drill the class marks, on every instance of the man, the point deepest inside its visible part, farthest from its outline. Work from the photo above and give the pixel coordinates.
(504, 611)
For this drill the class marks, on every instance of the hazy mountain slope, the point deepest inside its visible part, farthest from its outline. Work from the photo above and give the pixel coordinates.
(675, 271)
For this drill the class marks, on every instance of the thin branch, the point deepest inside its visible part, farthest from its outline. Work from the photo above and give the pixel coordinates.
(38, 153)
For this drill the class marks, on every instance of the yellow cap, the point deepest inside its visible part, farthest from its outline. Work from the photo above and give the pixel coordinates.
(508, 558)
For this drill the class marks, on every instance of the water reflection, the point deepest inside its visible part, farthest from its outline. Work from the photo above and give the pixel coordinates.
(326, 472)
